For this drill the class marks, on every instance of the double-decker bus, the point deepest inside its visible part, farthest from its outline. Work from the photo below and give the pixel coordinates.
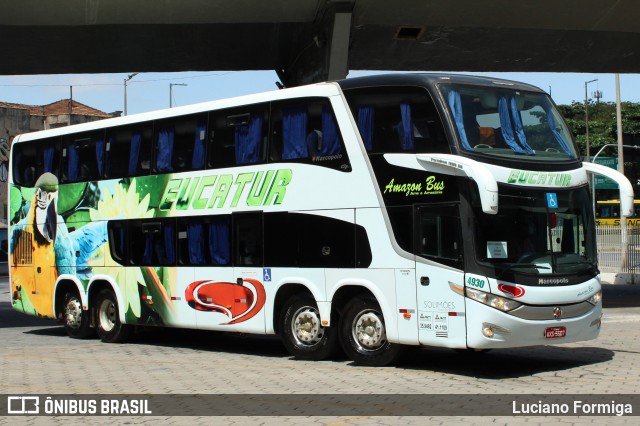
(365, 214)
(608, 213)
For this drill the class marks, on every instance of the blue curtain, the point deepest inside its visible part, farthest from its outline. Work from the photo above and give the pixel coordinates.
(294, 133)
(165, 150)
(197, 162)
(366, 115)
(168, 231)
(195, 241)
(249, 141)
(147, 256)
(73, 161)
(107, 157)
(406, 133)
(136, 141)
(49, 153)
(556, 134)
(455, 103)
(100, 155)
(505, 125)
(330, 137)
(219, 246)
(517, 122)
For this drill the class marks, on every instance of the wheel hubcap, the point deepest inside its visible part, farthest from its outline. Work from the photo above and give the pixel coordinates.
(368, 330)
(73, 313)
(107, 315)
(306, 326)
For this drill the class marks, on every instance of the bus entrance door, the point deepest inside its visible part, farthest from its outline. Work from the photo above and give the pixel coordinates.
(440, 284)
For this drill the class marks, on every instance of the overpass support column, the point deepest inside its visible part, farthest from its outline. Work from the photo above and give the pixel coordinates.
(338, 49)
(322, 52)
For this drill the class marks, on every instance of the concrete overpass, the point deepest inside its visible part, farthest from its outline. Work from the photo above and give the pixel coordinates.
(314, 40)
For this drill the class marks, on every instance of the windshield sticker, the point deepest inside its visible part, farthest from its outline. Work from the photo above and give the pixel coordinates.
(430, 186)
(524, 177)
(497, 250)
(552, 200)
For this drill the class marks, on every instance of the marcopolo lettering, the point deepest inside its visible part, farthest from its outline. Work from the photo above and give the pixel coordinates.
(524, 177)
(217, 191)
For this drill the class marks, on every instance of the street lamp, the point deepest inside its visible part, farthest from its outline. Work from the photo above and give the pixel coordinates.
(171, 92)
(586, 116)
(125, 90)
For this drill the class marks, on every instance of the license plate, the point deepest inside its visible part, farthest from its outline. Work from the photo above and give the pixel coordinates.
(555, 332)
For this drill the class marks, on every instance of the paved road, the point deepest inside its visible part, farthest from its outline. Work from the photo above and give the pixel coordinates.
(37, 357)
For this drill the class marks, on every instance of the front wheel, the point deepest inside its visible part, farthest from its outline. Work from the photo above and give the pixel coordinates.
(77, 323)
(302, 332)
(108, 324)
(363, 334)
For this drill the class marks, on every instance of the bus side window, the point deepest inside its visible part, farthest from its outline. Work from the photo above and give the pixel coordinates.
(307, 131)
(314, 241)
(204, 241)
(438, 234)
(397, 119)
(247, 238)
(152, 242)
(117, 234)
(83, 156)
(128, 151)
(237, 136)
(290, 129)
(32, 160)
(25, 157)
(180, 143)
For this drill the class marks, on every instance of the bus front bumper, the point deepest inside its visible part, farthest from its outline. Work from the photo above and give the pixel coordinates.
(489, 328)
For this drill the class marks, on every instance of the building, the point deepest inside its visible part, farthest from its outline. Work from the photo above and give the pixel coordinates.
(17, 118)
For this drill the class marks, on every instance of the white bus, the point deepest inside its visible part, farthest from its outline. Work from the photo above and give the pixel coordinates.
(365, 214)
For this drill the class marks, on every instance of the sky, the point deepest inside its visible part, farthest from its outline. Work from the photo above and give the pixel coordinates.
(150, 91)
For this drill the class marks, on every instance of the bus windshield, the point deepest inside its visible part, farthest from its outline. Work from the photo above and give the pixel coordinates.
(529, 237)
(503, 122)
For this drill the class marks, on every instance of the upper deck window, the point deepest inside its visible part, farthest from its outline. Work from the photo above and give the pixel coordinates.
(397, 119)
(508, 123)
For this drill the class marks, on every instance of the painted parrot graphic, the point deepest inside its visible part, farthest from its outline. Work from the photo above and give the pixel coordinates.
(42, 248)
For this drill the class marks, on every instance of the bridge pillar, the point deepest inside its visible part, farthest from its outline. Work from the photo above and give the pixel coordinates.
(322, 52)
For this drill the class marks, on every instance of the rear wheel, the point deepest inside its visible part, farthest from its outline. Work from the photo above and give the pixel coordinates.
(363, 334)
(108, 324)
(77, 323)
(302, 332)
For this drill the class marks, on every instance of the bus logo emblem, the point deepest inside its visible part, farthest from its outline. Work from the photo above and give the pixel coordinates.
(557, 312)
(511, 290)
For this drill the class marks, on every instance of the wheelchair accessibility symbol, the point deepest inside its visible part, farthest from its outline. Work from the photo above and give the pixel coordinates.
(552, 200)
(266, 274)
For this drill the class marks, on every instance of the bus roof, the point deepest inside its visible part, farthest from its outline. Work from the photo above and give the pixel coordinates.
(430, 79)
(319, 89)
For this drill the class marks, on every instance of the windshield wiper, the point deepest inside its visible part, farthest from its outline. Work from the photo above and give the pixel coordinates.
(520, 265)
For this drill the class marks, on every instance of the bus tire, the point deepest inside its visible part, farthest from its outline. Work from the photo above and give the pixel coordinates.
(363, 335)
(110, 328)
(302, 332)
(77, 322)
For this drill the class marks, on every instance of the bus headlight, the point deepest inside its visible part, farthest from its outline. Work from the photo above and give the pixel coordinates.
(492, 300)
(595, 298)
